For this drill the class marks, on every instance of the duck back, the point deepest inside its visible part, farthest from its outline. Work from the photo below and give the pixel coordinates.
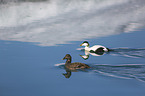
(76, 65)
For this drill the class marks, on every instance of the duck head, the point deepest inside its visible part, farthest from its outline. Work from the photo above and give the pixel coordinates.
(85, 43)
(68, 58)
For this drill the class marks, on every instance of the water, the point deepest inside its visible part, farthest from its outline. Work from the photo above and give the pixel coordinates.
(32, 46)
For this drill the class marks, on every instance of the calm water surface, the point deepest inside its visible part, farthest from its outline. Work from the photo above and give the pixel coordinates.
(32, 46)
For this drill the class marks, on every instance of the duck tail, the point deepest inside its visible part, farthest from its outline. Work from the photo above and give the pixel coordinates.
(110, 49)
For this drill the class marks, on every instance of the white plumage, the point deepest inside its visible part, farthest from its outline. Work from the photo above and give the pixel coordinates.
(95, 48)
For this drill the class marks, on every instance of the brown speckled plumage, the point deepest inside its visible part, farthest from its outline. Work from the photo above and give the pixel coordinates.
(75, 65)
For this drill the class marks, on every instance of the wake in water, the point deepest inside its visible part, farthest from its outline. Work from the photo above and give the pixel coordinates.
(125, 71)
(126, 52)
(130, 71)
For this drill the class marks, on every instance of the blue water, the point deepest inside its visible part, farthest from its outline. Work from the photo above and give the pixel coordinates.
(32, 47)
(28, 69)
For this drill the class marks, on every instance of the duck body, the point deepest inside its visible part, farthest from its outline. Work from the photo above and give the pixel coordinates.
(95, 48)
(75, 65)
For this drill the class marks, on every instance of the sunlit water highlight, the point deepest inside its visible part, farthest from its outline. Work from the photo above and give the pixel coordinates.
(69, 20)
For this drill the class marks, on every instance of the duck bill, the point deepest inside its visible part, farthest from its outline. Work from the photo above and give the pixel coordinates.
(81, 44)
(63, 58)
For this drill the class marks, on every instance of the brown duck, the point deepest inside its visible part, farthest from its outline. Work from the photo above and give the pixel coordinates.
(75, 65)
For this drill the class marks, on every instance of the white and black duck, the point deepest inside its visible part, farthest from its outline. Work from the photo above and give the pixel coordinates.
(95, 48)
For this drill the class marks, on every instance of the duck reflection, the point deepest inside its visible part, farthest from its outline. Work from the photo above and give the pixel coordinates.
(72, 67)
(67, 74)
(87, 53)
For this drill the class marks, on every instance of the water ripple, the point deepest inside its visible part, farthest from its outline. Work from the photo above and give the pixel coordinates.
(128, 52)
(124, 71)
